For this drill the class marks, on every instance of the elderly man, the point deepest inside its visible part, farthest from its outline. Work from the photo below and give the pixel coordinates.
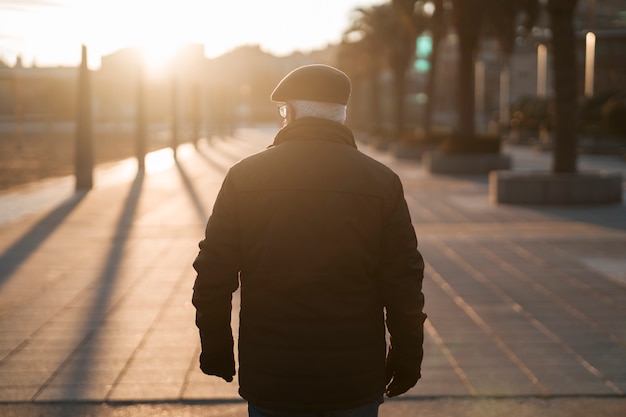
(320, 239)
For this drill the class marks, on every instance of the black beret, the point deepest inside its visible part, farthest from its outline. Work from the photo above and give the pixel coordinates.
(314, 83)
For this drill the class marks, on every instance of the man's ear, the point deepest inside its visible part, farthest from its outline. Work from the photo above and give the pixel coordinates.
(291, 113)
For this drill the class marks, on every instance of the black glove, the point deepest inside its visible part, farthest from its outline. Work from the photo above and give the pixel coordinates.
(399, 380)
(222, 365)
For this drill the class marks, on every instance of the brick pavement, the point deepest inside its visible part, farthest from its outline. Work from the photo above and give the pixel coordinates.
(95, 287)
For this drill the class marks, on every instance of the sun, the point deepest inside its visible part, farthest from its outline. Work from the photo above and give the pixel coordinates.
(157, 55)
(157, 39)
(156, 29)
(159, 29)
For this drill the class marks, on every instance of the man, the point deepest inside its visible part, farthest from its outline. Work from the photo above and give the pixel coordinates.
(320, 238)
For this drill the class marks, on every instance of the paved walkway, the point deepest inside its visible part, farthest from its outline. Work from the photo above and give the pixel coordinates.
(524, 303)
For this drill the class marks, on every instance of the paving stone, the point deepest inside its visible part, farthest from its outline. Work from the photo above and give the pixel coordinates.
(95, 288)
(74, 393)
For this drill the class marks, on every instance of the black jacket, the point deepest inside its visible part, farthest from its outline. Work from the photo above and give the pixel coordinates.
(320, 237)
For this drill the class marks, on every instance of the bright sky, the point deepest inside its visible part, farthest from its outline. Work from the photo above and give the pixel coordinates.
(50, 32)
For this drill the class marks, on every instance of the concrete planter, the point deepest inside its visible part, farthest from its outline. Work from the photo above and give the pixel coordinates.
(547, 188)
(438, 163)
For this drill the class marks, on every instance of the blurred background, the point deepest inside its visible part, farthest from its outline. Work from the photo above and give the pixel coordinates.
(190, 70)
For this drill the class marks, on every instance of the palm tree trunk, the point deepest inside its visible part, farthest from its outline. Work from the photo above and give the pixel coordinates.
(375, 119)
(565, 83)
(504, 117)
(431, 84)
(468, 23)
(83, 158)
(140, 134)
(399, 93)
(465, 103)
(437, 32)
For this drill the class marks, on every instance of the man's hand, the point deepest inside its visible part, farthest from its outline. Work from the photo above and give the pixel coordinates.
(399, 381)
(400, 384)
(224, 369)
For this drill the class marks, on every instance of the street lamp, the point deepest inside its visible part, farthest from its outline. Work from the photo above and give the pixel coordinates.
(590, 52)
(542, 70)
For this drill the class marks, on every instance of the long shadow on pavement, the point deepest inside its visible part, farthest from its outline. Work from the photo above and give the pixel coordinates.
(193, 194)
(221, 167)
(612, 216)
(80, 359)
(225, 149)
(19, 252)
(609, 216)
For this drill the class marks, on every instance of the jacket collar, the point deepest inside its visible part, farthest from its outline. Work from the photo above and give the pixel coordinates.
(313, 128)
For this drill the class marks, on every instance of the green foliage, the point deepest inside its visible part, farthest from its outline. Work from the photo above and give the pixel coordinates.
(531, 113)
(614, 115)
(591, 107)
(604, 114)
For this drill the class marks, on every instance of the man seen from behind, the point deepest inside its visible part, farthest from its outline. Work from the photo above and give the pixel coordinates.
(319, 238)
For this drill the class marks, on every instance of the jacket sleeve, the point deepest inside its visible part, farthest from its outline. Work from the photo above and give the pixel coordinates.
(402, 272)
(217, 266)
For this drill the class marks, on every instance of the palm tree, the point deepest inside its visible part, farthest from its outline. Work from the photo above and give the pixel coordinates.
(416, 20)
(502, 24)
(436, 25)
(401, 36)
(388, 40)
(368, 54)
(352, 60)
(561, 14)
(473, 20)
(83, 155)
(468, 18)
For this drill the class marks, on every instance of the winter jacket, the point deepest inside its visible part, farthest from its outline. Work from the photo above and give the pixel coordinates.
(319, 236)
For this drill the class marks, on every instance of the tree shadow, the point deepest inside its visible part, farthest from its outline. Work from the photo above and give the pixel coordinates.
(28, 244)
(200, 210)
(228, 153)
(77, 366)
(217, 165)
(610, 216)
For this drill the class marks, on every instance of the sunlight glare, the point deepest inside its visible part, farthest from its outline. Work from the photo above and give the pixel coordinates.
(52, 32)
(160, 160)
(156, 56)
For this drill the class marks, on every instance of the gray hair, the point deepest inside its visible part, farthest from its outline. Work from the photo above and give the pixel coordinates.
(323, 110)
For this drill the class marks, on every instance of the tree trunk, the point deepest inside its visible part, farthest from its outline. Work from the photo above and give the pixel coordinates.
(399, 93)
(140, 134)
(83, 162)
(468, 22)
(431, 84)
(437, 33)
(465, 89)
(565, 84)
(374, 110)
(504, 117)
(195, 110)
(174, 115)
